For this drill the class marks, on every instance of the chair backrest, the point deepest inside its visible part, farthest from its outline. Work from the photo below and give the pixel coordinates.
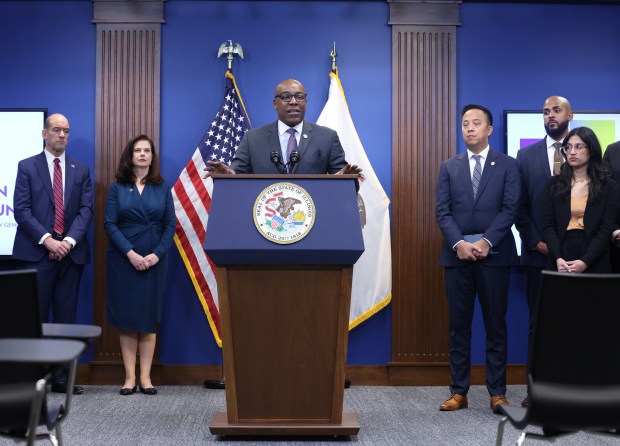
(19, 318)
(574, 381)
(577, 330)
(19, 304)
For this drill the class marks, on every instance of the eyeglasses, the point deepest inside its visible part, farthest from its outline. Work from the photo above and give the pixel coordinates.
(287, 97)
(578, 147)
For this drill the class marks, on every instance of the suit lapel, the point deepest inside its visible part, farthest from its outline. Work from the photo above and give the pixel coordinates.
(44, 173)
(541, 158)
(69, 179)
(487, 172)
(273, 138)
(465, 173)
(304, 139)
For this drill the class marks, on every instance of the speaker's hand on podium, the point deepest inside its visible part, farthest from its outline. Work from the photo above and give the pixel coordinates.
(216, 167)
(351, 169)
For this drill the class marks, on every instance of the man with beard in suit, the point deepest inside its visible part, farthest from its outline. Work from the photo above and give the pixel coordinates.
(537, 163)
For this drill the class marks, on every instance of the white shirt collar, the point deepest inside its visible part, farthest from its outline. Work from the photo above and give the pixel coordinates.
(282, 127)
(483, 154)
(50, 158)
(551, 142)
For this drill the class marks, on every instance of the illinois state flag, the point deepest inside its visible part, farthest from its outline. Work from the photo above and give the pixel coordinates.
(372, 274)
(192, 198)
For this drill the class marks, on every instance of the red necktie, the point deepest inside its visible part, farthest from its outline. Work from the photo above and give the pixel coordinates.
(59, 208)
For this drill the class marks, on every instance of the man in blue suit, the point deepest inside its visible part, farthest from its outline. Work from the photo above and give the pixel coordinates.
(476, 205)
(265, 150)
(537, 163)
(58, 250)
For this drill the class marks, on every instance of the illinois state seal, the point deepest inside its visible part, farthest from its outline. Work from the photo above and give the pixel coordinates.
(284, 213)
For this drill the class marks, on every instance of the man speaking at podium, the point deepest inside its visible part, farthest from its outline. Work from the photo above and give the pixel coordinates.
(289, 145)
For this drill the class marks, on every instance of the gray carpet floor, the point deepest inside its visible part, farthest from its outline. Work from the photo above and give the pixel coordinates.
(180, 415)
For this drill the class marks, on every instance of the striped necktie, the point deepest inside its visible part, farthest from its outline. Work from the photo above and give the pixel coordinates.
(59, 207)
(475, 178)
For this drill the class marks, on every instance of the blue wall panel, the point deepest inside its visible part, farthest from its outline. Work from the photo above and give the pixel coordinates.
(510, 56)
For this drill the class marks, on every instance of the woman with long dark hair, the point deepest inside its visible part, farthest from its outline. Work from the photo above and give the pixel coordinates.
(580, 207)
(140, 223)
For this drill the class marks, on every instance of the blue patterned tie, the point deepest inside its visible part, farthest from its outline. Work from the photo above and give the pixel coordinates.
(475, 178)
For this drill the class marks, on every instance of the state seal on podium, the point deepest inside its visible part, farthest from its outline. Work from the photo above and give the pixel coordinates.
(284, 213)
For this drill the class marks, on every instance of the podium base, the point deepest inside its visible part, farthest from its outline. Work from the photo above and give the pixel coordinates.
(220, 426)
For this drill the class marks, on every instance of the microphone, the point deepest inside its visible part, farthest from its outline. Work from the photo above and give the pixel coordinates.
(276, 159)
(293, 159)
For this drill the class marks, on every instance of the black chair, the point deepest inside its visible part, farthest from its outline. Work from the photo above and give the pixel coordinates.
(24, 380)
(574, 377)
(23, 402)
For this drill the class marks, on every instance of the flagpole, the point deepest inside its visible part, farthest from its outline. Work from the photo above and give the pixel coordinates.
(334, 55)
(230, 50)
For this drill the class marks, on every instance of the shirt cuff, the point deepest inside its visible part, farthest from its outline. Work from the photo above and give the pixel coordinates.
(454, 247)
(488, 241)
(46, 235)
(71, 241)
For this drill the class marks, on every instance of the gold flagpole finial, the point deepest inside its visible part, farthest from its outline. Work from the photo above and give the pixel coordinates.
(230, 50)
(334, 55)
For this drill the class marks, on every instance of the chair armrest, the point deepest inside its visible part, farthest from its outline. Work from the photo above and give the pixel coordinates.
(42, 351)
(78, 332)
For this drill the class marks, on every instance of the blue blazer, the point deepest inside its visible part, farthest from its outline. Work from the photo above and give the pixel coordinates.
(33, 204)
(492, 213)
(319, 147)
(534, 172)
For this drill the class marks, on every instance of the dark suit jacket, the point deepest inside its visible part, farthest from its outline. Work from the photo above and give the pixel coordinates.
(612, 156)
(492, 213)
(598, 220)
(33, 204)
(319, 147)
(534, 172)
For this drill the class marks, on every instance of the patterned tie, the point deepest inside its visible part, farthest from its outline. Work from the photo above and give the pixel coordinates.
(558, 159)
(475, 178)
(59, 207)
(292, 144)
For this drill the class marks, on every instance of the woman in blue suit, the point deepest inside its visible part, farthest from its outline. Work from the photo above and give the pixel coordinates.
(579, 208)
(140, 223)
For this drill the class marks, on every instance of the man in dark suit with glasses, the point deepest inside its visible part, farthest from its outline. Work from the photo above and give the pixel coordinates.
(289, 145)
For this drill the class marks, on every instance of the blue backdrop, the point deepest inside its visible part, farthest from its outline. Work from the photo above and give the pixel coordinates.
(510, 56)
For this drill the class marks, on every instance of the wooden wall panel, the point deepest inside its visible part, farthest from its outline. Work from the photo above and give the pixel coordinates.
(423, 134)
(128, 104)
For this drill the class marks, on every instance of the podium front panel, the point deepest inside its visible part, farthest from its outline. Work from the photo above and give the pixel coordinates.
(335, 238)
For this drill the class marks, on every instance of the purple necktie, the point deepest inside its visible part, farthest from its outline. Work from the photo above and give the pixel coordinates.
(291, 146)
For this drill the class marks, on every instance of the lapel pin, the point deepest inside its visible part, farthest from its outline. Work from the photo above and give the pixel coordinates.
(492, 163)
(305, 136)
(73, 165)
(130, 190)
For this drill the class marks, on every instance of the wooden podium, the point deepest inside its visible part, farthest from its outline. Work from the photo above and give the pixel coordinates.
(284, 308)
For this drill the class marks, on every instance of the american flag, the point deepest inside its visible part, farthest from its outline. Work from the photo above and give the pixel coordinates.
(192, 198)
